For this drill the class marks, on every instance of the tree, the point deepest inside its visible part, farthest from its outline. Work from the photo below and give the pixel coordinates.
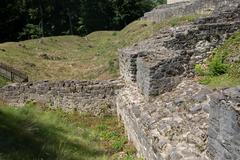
(24, 19)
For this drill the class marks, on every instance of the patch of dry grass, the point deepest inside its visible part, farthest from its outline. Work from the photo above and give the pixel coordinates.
(73, 57)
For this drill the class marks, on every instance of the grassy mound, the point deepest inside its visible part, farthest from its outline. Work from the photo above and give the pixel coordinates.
(73, 57)
(36, 133)
(223, 68)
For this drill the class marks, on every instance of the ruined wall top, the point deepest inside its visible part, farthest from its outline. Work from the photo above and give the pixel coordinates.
(175, 1)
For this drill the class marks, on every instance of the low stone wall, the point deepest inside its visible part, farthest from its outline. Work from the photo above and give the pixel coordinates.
(183, 8)
(94, 97)
(12, 74)
(129, 112)
(224, 124)
(166, 11)
(175, 1)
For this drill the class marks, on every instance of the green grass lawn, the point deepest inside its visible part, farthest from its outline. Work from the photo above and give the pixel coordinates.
(223, 68)
(37, 133)
(73, 57)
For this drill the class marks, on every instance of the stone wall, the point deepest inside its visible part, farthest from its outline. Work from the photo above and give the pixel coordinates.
(84, 96)
(175, 1)
(12, 74)
(183, 8)
(158, 64)
(158, 73)
(127, 64)
(224, 125)
(172, 126)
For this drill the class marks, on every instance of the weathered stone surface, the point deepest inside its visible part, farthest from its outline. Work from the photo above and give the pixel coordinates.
(188, 7)
(95, 97)
(174, 124)
(224, 125)
(158, 64)
(164, 127)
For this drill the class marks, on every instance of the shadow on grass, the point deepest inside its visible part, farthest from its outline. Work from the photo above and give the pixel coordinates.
(25, 138)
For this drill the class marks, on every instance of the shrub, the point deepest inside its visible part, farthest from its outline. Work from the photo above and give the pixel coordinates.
(31, 31)
(114, 34)
(217, 66)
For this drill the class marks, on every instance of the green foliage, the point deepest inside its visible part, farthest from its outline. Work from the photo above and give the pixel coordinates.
(221, 71)
(78, 17)
(40, 133)
(30, 31)
(119, 144)
(199, 70)
(114, 33)
(217, 66)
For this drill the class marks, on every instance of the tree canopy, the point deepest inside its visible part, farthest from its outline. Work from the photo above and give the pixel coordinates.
(25, 19)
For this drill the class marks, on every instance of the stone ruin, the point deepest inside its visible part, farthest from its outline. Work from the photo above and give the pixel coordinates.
(167, 115)
(183, 7)
(158, 64)
(175, 1)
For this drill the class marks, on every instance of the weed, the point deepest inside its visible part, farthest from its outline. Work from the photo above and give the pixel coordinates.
(199, 70)
(119, 143)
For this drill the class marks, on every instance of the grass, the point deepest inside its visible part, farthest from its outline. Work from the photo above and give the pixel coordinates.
(223, 68)
(34, 133)
(3, 81)
(73, 57)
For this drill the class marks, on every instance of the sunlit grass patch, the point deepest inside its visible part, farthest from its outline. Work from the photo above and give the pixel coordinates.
(39, 133)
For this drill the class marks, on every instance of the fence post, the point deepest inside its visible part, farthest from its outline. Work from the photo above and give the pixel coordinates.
(11, 78)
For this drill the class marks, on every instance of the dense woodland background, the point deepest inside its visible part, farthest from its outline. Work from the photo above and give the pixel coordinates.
(27, 19)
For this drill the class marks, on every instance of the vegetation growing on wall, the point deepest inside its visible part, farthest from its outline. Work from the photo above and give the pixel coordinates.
(223, 68)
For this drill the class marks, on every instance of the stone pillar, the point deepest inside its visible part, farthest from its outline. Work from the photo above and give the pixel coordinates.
(224, 125)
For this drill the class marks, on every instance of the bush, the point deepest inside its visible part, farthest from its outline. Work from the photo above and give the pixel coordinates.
(114, 34)
(217, 66)
(31, 31)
